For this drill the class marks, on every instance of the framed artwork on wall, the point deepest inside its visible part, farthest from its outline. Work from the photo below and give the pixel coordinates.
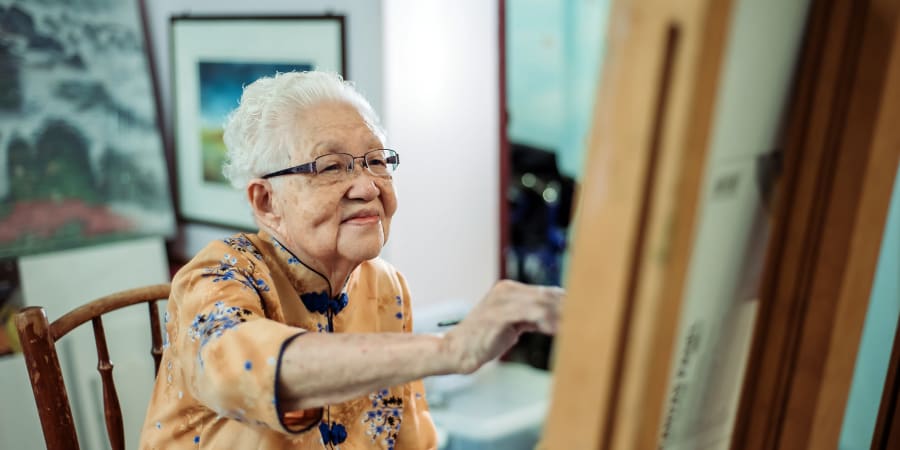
(213, 58)
(81, 151)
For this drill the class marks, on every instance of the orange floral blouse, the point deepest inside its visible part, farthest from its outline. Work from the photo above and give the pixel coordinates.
(232, 310)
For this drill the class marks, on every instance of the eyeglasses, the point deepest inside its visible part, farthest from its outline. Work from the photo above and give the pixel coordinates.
(337, 166)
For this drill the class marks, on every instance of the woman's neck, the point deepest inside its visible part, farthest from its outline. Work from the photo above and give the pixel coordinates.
(335, 270)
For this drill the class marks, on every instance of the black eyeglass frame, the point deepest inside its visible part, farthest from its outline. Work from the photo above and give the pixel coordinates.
(310, 167)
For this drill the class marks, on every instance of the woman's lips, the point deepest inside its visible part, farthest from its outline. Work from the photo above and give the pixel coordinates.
(363, 220)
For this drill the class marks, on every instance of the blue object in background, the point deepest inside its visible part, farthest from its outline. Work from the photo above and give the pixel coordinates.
(222, 83)
(878, 336)
(553, 58)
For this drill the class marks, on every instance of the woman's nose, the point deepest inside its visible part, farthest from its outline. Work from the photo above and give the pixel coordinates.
(363, 185)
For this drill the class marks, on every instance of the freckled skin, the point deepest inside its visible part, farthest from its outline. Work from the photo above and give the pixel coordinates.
(306, 215)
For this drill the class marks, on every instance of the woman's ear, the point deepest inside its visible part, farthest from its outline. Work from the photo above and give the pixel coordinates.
(261, 195)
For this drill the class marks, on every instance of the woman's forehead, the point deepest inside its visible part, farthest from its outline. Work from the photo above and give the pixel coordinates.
(334, 127)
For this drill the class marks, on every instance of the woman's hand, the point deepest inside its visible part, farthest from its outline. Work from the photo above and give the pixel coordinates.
(509, 309)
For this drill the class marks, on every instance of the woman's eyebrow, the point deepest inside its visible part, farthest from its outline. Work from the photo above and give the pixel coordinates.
(331, 147)
(327, 147)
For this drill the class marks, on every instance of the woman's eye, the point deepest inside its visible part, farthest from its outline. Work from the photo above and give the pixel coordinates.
(331, 168)
(376, 162)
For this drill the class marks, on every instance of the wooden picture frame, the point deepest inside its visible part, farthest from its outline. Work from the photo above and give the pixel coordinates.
(213, 57)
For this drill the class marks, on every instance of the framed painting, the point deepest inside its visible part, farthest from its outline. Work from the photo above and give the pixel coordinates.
(213, 59)
(81, 152)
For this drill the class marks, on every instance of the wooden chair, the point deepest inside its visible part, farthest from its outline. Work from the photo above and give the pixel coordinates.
(38, 338)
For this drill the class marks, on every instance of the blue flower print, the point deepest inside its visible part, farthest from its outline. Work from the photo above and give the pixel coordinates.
(228, 271)
(257, 284)
(206, 327)
(243, 245)
(333, 434)
(224, 271)
(383, 420)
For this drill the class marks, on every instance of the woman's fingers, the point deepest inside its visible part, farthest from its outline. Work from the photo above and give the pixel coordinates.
(508, 310)
(539, 305)
(545, 317)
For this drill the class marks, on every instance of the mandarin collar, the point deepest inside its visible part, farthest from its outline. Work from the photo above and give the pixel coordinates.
(313, 287)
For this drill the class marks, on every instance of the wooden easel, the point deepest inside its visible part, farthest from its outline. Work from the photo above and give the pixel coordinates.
(636, 225)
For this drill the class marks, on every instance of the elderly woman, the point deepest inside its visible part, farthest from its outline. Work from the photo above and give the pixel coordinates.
(298, 336)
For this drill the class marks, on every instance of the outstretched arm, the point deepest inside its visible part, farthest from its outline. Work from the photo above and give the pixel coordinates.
(319, 369)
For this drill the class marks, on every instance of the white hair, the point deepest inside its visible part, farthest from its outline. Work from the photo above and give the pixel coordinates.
(259, 133)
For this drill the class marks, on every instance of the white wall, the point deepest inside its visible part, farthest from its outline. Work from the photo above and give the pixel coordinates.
(430, 68)
(441, 111)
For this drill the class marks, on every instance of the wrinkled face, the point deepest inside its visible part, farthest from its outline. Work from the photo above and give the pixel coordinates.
(328, 221)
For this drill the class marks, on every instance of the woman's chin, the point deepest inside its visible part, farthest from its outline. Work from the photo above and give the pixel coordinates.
(361, 257)
(362, 249)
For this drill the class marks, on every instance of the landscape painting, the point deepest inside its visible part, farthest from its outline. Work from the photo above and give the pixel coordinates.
(81, 155)
(221, 85)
